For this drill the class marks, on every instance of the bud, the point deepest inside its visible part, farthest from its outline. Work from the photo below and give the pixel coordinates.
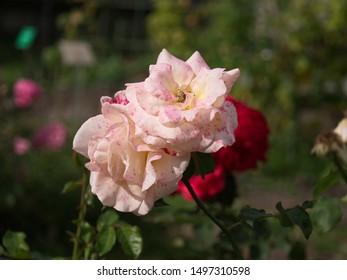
(329, 142)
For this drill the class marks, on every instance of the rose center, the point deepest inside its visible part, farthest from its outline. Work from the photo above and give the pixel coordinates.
(181, 95)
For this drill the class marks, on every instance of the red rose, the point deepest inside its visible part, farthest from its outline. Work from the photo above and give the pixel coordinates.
(207, 188)
(251, 142)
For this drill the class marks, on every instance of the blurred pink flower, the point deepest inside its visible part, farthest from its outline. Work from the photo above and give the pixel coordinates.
(207, 188)
(26, 92)
(51, 136)
(21, 145)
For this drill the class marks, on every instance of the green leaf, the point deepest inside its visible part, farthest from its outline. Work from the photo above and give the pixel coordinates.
(328, 180)
(71, 186)
(130, 240)
(325, 214)
(106, 219)
(105, 240)
(241, 232)
(204, 163)
(284, 219)
(252, 213)
(307, 204)
(261, 228)
(296, 216)
(15, 245)
(300, 217)
(87, 231)
(190, 170)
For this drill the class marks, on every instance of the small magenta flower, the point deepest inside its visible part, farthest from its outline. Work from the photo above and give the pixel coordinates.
(51, 136)
(21, 145)
(26, 92)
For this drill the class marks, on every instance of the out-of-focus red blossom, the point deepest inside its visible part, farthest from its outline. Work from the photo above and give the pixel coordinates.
(205, 189)
(25, 92)
(251, 142)
(21, 145)
(51, 136)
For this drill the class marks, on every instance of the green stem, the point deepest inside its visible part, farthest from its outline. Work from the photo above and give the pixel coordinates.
(81, 217)
(340, 167)
(213, 219)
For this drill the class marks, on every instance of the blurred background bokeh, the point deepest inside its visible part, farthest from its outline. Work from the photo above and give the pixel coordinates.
(293, 61)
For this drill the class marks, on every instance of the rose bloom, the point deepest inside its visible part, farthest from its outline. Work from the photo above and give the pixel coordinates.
(181, 107)
(207, 188)
(251, 140)
(25, 92)
(21, 145)
(51, 136)
(126, 173)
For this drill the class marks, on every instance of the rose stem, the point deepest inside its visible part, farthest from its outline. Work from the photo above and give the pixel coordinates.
(81, 217)
(218, 223)
(340, 167)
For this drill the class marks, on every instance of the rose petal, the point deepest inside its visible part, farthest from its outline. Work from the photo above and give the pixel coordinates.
(221, 133)
(160, 82)
(112, 194)
(197, 62)
(150, 175)
(181, 71)
(94, 127)
(230, 78)
(170, 115)
(207, 86)
(171, 168)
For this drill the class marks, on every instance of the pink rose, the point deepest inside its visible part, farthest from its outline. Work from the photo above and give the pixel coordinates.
(51, 136)
(126, 173)
(26, 92)
(21, 145)
(181, 105)
(207, 188)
